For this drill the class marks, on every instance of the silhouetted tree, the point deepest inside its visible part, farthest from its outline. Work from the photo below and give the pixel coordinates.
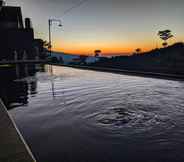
(45, 44)
(97, 53)
(138, 50)
(165, 35)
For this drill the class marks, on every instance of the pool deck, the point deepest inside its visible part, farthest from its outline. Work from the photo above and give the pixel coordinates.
(12, 145)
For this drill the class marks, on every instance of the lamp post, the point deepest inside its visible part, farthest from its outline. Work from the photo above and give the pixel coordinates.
(50, 21)
(50, 39)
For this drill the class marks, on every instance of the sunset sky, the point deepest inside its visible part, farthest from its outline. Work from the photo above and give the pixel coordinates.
(114, 26)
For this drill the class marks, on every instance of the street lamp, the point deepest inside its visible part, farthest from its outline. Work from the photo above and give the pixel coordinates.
(50, 24)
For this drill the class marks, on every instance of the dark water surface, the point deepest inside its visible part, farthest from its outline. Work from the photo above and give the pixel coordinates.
(103, 117)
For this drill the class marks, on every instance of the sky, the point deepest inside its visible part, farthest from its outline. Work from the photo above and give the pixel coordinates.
(113, 26)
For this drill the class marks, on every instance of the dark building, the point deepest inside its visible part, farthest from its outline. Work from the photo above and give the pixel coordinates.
(14, 37)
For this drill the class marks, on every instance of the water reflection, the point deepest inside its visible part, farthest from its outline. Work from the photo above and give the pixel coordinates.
(103, 117)
(15, 89)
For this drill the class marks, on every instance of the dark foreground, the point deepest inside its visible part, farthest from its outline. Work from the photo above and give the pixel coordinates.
(90, 116)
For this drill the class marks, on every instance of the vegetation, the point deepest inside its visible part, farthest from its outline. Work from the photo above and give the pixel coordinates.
(97, 53)
(165, 35)
(138, 51)
(164, 60)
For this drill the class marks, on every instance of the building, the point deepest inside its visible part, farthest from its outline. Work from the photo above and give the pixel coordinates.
(17, 36)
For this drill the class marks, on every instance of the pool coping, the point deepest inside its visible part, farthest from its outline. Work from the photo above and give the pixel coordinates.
(13, 146)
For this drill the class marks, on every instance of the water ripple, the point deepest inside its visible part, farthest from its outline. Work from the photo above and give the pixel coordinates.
(104, 113)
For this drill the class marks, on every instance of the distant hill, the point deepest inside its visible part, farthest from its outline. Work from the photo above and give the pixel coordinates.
(163, 60)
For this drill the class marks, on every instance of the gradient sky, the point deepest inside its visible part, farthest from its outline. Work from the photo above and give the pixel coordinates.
(114, 26)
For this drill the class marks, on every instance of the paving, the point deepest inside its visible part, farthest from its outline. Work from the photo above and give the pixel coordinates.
(12, 145)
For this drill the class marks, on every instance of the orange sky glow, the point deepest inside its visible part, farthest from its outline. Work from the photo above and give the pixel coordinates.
(107, 49)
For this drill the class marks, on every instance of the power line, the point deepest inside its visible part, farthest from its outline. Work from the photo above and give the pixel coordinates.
(73, 7)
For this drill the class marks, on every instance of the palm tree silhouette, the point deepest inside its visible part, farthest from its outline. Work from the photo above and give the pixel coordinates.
(165, 35)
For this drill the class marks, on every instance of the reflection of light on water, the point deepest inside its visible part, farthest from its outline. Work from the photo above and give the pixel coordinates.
(49, 69)
(53, 72)
(52, 84)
